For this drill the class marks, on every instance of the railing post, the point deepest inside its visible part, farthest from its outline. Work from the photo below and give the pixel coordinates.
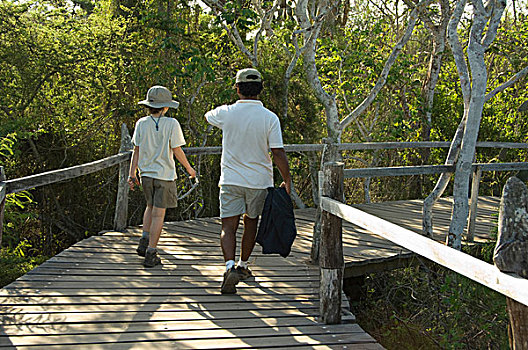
(330, 154)
(477, 174)
(510, 253)
(2, 202)
(121, 210)
(331, 260)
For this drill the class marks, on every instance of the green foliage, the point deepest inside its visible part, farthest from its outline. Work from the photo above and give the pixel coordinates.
(429, 307)
(16, 262)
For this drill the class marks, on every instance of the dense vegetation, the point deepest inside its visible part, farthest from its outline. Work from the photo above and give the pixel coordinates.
(429, 307)
(71, 72)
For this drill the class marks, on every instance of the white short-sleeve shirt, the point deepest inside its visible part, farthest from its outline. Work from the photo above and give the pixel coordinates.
(249, 130)
(156, 159)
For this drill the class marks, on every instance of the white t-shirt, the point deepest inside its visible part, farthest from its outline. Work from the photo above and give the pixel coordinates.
(249, 130)
(156, 159)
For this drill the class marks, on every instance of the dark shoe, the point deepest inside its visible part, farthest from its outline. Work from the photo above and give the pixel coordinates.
(231, 278)
(152, 258)
(142, 246)
(244, 273)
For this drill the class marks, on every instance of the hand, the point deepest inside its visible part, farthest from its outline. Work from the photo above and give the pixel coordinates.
(132, 182)
(192, 173)
(287, 187)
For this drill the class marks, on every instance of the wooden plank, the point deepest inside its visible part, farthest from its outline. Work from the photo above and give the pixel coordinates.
(398, 171)
(28, 292)
(140, 316)
(213, 306)
(149, 326)
(165, 326)
(512, 286)
(266, 340)
(315, 332)
(176, 284)
(148, 299)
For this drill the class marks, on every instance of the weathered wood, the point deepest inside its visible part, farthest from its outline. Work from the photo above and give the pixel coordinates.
(398, 171)
(464, 264)
(501, 166)
(54, 176)
(331, 259)
(511, 253)
(330, 295)
(430, 169)
(477, 173)
(121, 210)
(179, 304)
(363, 146)
(2, 201)
(316, 236)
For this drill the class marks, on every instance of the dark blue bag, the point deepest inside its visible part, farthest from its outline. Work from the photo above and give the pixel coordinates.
(277, 230)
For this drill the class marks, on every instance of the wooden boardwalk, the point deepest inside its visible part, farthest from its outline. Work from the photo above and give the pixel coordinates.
(97, 295)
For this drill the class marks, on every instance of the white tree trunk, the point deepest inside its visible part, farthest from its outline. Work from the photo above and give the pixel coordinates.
(483, 19)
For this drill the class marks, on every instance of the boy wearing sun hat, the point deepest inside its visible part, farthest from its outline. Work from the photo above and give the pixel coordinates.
(157, 140)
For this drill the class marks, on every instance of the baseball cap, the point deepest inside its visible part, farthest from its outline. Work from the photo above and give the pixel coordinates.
(248, 75)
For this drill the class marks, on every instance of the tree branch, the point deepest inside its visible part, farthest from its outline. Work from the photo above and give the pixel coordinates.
(458, 51)
(413, 16)
(521, 74)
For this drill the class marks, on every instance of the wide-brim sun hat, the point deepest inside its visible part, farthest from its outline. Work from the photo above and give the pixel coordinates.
(159, 97)
(248, 75)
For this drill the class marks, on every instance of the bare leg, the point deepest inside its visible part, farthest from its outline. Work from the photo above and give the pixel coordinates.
(147, 218)
(158, 214)
(248, 237)
(228, 237)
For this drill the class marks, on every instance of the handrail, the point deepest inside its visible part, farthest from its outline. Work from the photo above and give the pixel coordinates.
(430, 169)
(399, 171)
(362, 146)
(53, 176)
(511, 285)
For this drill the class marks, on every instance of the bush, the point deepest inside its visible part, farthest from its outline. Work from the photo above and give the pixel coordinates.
(431, 307)
(14, 263)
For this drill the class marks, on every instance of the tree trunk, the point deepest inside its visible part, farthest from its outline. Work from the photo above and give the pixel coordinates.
(510, 254)
(476, 49)
(442, 182)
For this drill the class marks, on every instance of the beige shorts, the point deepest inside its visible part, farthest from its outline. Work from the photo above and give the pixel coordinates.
(238, 200)
(160, 193)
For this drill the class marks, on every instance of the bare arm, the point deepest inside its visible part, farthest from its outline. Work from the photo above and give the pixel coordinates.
(132, 179)
(182, 158)
(281, 160)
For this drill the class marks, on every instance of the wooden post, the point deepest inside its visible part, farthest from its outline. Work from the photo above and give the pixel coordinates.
(511, 253)
(2, 202)
(121, 210)
(330, 154)
(331, 260)
(477, 174)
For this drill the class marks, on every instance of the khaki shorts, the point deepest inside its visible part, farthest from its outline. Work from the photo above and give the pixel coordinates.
(160, 193)
(238, 200)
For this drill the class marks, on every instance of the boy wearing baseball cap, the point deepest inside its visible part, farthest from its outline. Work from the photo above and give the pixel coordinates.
(157, 140)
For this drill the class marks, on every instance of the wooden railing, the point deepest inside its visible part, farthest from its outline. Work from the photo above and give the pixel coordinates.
(331, 260)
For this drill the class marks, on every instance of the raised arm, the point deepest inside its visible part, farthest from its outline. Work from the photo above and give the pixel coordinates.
(281, 160)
